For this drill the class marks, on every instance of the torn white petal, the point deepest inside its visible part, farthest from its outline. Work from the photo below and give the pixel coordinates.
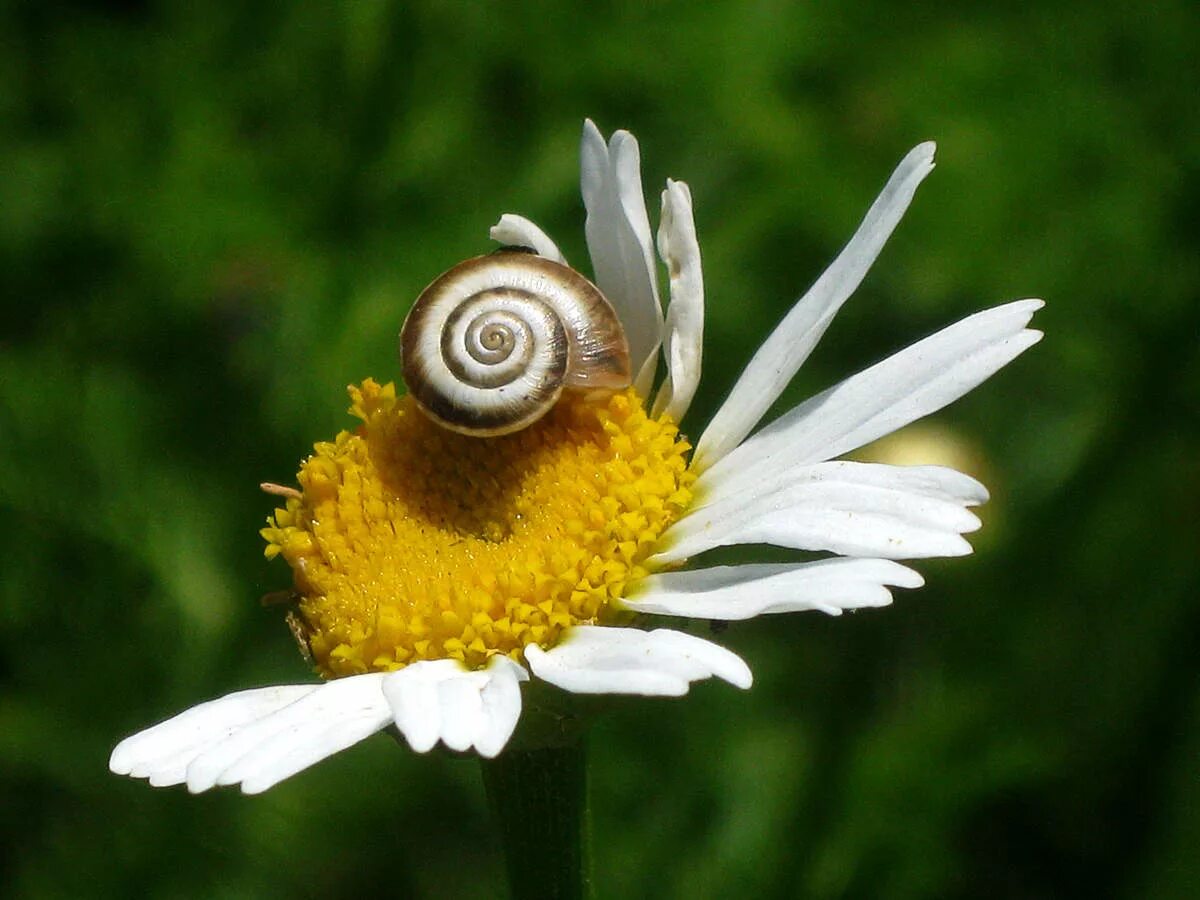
(911, 384)
(163, 751)
(782, 354)
(618, 238)
(684, 332)
(745, 591)
(517, 231)
(592, 659)
(441, 700)
(306, 731)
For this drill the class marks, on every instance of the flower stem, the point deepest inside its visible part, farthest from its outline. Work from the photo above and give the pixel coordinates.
(538, 799)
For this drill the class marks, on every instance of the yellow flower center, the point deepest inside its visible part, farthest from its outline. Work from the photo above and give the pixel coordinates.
(411, 542)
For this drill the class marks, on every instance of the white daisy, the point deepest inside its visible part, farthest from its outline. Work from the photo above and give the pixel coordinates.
(437, 572)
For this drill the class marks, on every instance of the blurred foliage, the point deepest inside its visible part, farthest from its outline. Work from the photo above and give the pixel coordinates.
(213, 217)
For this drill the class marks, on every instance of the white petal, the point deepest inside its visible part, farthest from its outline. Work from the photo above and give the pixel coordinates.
(442, 700)
(332, 717)
(782, 354)
(742, 592)
(906, 386)
(162, 752)
(935, 482)
(618, 239)
(679, 249)
(501, 705)
(517, 231)
(301, 746)
(593, 659)
(412, 694)
(461, 709)
(854, 509)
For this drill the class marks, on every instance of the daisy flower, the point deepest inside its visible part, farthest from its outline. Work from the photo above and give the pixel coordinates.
(436, 572)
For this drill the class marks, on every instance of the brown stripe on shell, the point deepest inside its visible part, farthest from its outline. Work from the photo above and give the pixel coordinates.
(482, 422)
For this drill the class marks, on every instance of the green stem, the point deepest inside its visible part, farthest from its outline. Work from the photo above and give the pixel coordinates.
(538, 799)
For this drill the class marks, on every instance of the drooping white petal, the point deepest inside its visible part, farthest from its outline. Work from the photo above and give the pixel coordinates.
(854, 509)
(162, 752)
(679, 249)
(301, 746)
(461, 707)
(906, 386)
(782, 354)
(742, 592)
(593, 659)
(517, 231)
(441, 700)
(501, 706)
(264, 752)
(619, 242)
(413, 698)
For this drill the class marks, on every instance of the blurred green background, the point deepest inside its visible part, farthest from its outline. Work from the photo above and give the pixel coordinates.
(214, 216)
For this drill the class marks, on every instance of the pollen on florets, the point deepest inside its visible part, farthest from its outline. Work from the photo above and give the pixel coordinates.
(411, 542)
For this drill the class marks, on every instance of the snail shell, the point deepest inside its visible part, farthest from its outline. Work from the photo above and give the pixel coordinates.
(490, 345)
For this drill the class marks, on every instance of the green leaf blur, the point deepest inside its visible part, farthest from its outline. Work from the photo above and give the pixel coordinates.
(214, 216)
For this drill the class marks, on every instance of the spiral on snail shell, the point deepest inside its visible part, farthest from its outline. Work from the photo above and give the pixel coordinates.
(490, 345)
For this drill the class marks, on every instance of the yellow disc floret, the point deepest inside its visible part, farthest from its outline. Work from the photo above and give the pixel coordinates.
(411, 542)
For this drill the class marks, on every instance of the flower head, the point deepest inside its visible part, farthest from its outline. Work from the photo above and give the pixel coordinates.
(437, 571)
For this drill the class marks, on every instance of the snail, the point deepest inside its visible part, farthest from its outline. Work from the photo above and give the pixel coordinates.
(490, 345)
